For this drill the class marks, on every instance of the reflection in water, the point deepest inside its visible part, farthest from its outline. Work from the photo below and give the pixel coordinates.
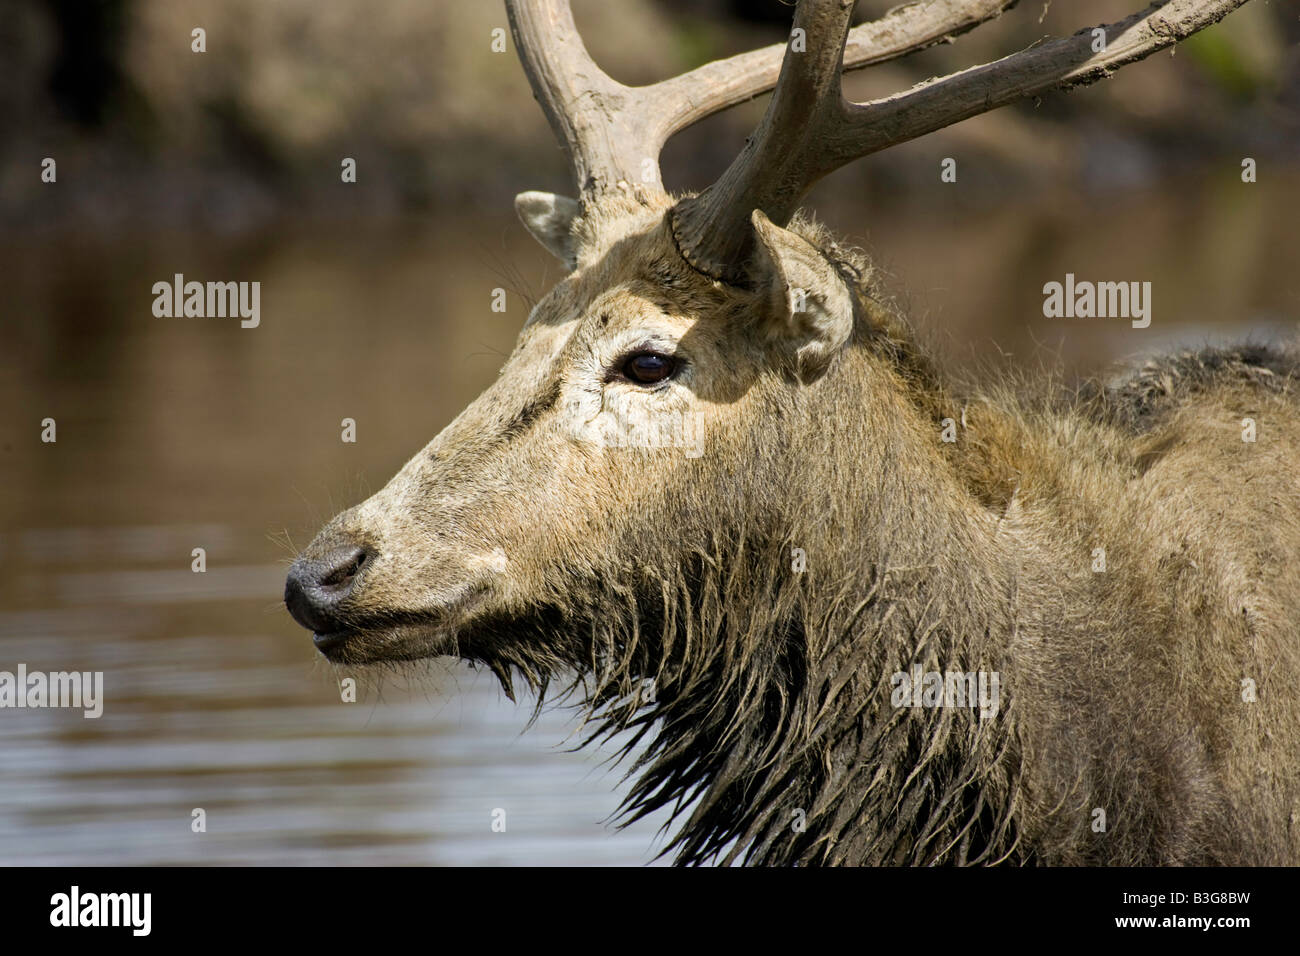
(176, 434)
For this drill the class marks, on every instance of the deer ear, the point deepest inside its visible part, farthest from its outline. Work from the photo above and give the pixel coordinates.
(549, 218)
(809, 301)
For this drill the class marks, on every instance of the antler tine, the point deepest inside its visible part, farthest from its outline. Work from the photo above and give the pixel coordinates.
(906, 29)
(771, 173)
(593, 115)
(783, 160)
(1060, 64)
(610, 130)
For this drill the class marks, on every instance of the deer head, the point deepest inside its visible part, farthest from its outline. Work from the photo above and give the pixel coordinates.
(699, 396)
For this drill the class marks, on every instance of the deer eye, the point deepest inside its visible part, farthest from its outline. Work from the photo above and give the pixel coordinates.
(647, 368)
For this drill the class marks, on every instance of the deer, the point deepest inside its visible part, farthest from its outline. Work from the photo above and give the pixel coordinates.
(1068, 633)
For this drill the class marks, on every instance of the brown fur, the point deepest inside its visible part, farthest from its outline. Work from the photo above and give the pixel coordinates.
(1121, 690)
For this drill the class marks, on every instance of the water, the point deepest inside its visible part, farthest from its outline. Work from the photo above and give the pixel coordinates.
(213, 703)
(175, 434)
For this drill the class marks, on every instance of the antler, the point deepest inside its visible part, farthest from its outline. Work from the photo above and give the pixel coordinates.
(615, 133)
(810, 130)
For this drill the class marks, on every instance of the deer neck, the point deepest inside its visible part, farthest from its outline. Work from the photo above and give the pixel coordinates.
(888, 575)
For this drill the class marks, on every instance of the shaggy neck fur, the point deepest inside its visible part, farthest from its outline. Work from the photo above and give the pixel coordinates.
(807, 759)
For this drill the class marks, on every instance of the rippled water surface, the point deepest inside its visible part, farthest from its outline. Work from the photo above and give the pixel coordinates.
(211, 702)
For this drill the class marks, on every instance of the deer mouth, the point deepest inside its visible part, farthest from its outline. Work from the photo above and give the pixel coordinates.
(386, 643)
(332, 641)
(401, 636)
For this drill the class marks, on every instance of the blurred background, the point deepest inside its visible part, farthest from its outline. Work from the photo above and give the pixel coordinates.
(376, 298)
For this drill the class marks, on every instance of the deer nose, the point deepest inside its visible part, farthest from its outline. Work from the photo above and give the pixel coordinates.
(317, 586)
